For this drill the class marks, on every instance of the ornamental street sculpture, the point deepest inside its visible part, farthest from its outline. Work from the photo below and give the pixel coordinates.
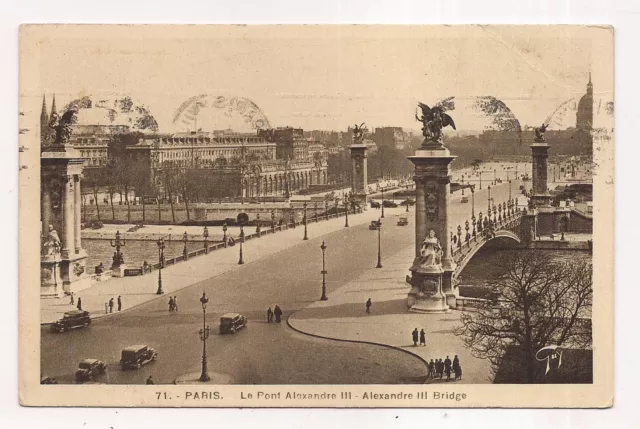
(358, 133)
(433, 120)
(540, 132)
(62, 127)
(431, 252)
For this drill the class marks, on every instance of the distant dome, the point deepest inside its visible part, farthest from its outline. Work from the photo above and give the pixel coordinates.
(114, 110)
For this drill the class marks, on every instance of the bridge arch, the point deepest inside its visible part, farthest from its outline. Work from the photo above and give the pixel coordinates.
(503, 236)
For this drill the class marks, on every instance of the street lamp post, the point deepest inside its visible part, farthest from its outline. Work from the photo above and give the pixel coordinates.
(240, 260)
(379, 247)
(204, 334)
(185, 238)
(305, 221)
(224, 234)
(489, 197)
(205, 234)
(117, 243)
(382, 204)
(473, 201)
(324, 273)
(326, 209)
(346, 212)
(273, 221)
(258, 225)
(161, 245)
(462, 184)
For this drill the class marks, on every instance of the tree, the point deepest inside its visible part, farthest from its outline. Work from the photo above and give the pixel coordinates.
(535, 303)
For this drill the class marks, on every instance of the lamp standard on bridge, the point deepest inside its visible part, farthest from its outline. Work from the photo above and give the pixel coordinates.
(118, 243)
(224, 234)
(462, 181)
(305, 221)
(324, 273)
(473, 201)
(382, 216)
(161, 246)
(379, 247)
(241, 260)
(346, 211)
(204, 334)
(489, 197)
(185, 238)
(205, 234)
(480, 174)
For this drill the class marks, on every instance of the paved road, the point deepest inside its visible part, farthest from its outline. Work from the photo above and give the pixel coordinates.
(262, 353)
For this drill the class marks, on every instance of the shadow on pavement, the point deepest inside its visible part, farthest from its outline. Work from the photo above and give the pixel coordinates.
(397, 306)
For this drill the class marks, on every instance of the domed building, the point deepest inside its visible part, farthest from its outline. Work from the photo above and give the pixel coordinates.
(584, 113)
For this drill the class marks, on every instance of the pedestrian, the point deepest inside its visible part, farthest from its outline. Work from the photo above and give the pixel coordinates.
(175, 303)
(79, 303)
(119, 303)
(447, 368)
(111, 305)
(423, 340)
(456, 362)
(71, 299)
(432, 369)
(106, 308)
(457, 370)
(278, 313)
(150, 380)
(269, 315)
(414, 335)
(368, 305)
(439, 368)
(170, 304)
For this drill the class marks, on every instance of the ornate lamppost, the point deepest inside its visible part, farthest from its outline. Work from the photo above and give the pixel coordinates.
(324, 273)
(459, 236)
(382, 204)
(480, 174)
(224, 234)
(161, 245)
(326, 209)
(118, 243)
(204, 334)
(304, 219)
(258, 226)
(346, 212)
(489, 197)
(379, 247)
(185, 238)
(240, 260)
(473, 201)
(462, 184)
(467, 236)
(205, 234)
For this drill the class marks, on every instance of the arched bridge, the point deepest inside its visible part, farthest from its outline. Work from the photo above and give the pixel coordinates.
(502, 223)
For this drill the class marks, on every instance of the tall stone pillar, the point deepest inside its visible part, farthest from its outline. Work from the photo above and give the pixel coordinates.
(433, 265)
(77, 204)
(63, 261)
(359, 173)
(540, 192)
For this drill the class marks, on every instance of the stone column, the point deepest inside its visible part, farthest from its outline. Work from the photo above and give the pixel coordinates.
(539, 190)
(421, 227)
(68, 211)
(77, 201)
(359, 173)
(46, 208)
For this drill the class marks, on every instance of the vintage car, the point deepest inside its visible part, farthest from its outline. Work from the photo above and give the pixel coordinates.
(136, 356)
(374, 225)
(90, 368)
(389, 204)
(464, 200)
(403, 221)
(72, 319)
(374, 204)
(45, 379)
(231, 322)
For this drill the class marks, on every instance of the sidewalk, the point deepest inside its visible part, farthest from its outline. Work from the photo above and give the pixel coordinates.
(343, 317)
(141, 289)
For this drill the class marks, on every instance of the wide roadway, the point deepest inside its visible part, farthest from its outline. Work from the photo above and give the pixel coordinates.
(261, 353)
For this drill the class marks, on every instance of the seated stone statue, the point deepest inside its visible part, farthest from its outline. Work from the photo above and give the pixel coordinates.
(431, 251)
(51, 245)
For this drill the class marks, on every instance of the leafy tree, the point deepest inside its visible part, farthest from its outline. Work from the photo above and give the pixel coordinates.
(535, 303)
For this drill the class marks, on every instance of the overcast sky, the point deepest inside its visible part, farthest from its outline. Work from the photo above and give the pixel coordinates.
(329, 77)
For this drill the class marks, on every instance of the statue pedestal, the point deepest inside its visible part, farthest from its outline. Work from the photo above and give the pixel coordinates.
(74, 272)
(51, 283)
(426, 292)
(118, 271)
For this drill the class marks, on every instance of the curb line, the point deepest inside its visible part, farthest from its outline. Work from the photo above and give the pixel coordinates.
(426, 364)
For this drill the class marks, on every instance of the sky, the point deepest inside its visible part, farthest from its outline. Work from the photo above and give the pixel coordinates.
(327, 77)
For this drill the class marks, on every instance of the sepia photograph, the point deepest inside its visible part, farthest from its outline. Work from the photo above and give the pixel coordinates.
(316, 216)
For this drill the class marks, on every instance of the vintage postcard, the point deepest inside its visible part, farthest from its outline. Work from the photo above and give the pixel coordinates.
(316, 216)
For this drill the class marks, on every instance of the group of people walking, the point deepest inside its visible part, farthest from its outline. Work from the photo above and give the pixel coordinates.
(173, 303)
(415, 336)
(439, 368)
(275, 313)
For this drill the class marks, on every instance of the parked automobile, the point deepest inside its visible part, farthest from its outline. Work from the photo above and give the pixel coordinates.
(389, 204)
(374, 225)
(403, 221)
(45, 379)
(136, 356)
(408, 201)
(90, 368)
(71, 320)
(374, 204)
(464, 200)
(231, 322)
